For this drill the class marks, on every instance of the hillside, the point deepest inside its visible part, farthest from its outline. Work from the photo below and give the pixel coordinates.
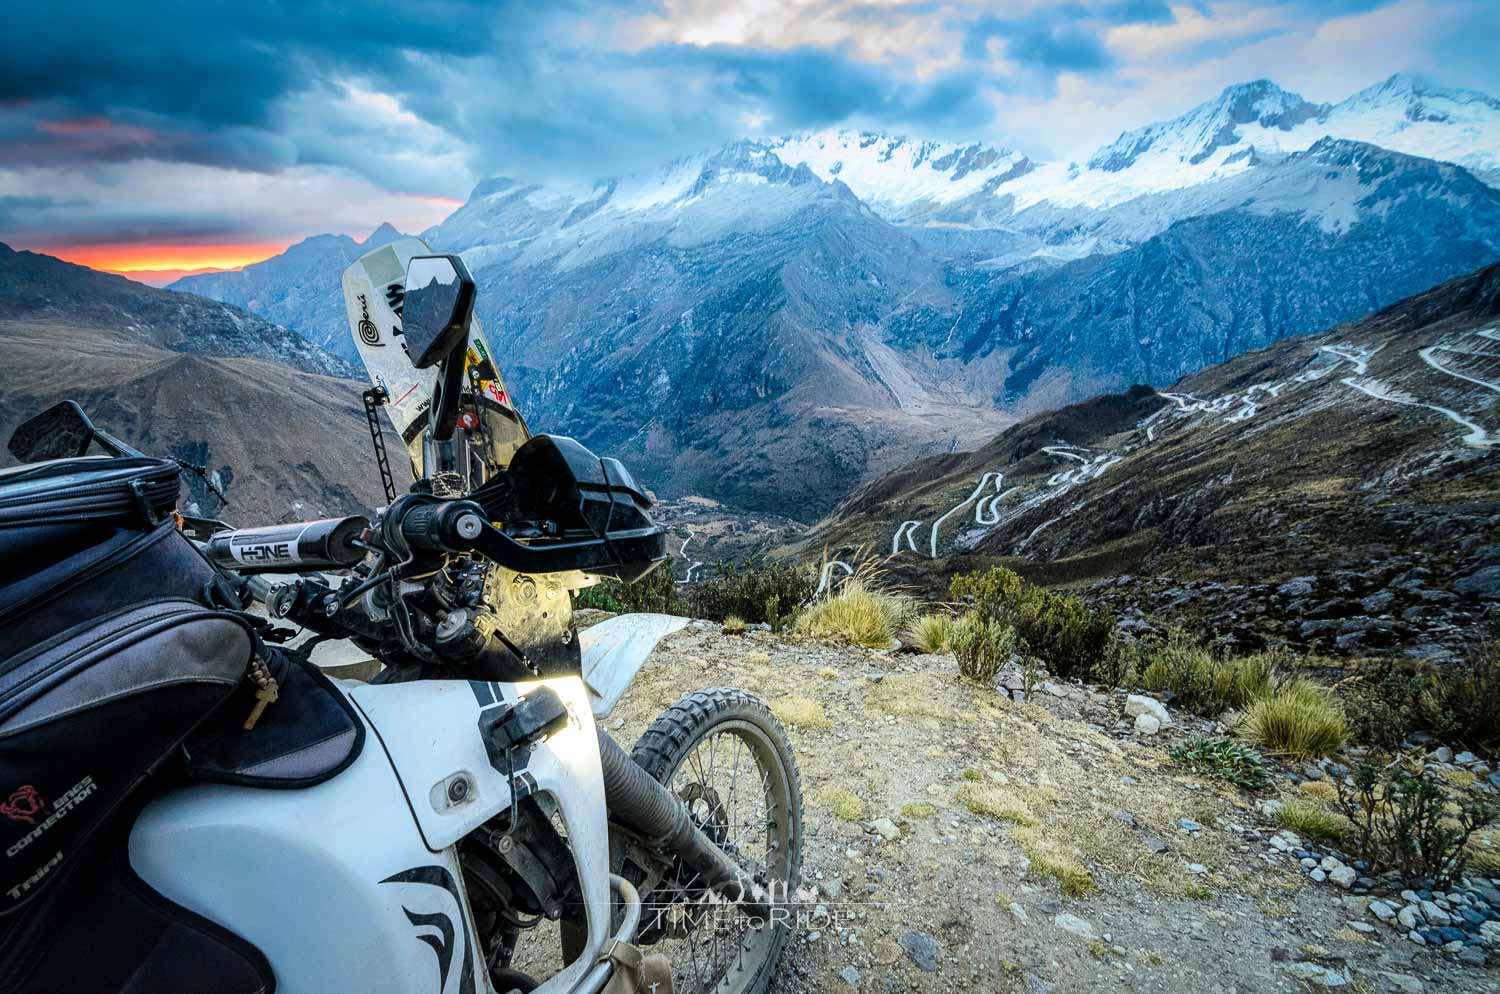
(1336, 490)
(192, 378)
(41, 290)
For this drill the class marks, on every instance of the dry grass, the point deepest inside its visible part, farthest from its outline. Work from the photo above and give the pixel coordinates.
(800, 712)
(917, 810)
(1320, 789)
(858, 615)
(1049, 858)
(734, 625)
(914, 695)
(993, 802)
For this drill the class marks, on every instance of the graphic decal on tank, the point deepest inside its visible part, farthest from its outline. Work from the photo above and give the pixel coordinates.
(442, 942)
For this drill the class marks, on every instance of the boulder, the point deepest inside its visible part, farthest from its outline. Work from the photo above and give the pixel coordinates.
(1139, 704)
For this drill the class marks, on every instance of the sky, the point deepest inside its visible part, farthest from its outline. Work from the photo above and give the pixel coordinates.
(149, 136)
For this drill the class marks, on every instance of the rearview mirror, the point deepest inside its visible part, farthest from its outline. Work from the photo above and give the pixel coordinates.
(437, 308)
(62, 431)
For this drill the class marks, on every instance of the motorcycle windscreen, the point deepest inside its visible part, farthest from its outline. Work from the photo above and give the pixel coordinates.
(374, 287)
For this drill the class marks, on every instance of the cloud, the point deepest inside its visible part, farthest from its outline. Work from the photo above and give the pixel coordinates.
(281, 120)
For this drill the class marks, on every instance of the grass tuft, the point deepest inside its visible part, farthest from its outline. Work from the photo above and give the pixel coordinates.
(734, 625)
(991, 802)
(1301, 720)
(857, 614)
(844, 805)
(918, 809)
(1312, 821)
(930, 633)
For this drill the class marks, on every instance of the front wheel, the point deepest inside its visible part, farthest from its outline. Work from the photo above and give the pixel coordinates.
(724, 754)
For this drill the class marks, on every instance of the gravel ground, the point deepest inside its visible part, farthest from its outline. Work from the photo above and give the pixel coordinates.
(964, 842)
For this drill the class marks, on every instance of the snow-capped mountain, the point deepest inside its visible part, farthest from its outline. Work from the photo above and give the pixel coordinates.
(773, 321)
(298, 288)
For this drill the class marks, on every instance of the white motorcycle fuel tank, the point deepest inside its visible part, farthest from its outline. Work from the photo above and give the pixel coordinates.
(353, 884)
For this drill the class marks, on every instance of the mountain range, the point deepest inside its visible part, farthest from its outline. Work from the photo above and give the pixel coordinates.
(772, 323)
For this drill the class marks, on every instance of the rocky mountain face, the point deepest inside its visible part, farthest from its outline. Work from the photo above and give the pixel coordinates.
(298, 288)
(1335, 491)
(41, 290)
(773, 323)
(183, 376)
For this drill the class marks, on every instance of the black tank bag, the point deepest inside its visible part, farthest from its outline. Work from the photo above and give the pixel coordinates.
(110, 656)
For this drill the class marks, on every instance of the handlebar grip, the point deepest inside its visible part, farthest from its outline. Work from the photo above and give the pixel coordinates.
(449, 526)
(295, 548)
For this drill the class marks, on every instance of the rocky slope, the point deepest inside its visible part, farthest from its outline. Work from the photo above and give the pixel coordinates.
(299, 288)
(42, 290)
(1335, 491)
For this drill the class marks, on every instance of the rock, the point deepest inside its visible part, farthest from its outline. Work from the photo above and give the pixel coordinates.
(1146, 724)
(1188, 825)
(1036, 985)
(1471, 956)
(1076, 926)
(1442, 754)
(1271, 808)
(1124, 817)
(1483, 584)
(1298, 586)
(850, 976)
(1416, 937)
(833, 888)
(1330, 864)
(1434, 914)
(922, 949)
(1317, 875)
(1197, 868)
(1364, 927)
(1316, 973)
(1018, 912)
(1139, 704)
(1154, 844)
(1402, 983)
(1377, 603)
(886, 829)
(1344, 876)
(1489, 934)
(1285, 842)
(1383, 911)
(1309, 863)
(1409, 917)
(1465, 758)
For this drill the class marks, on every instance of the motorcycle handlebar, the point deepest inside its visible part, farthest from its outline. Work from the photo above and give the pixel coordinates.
(296, 548)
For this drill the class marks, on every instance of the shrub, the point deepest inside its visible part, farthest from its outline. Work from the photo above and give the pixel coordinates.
(734, 625)
(1060, 628)
(1460, 705)
(1300, 719)
(1404, 819)
(1205, 682)
(1464, 704)
(654, 593)
(1121, 664)
(982, 647)
(1313, 821)
(767, 591)
(931, 632)
(1224, 758)
(857, 615)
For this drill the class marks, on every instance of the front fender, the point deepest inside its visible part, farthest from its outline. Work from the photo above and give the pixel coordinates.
(613, 652)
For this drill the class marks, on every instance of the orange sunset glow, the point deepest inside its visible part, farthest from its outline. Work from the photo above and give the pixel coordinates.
(138, 258)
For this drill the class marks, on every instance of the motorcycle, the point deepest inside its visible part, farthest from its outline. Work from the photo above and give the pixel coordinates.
(411, 833)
